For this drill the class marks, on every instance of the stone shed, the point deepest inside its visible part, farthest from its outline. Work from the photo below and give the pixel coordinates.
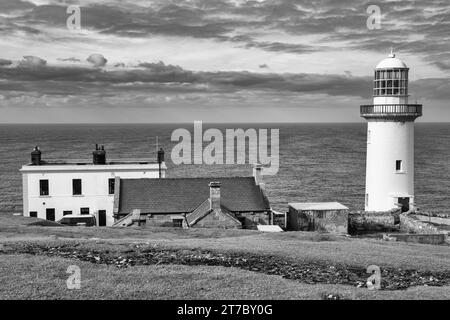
(317, 216)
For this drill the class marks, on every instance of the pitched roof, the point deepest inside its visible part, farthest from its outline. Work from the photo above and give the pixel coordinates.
(184, 195)
(203, 210)
(198, 213)
(317, 206)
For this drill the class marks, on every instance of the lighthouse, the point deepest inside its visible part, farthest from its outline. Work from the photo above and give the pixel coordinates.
(390, 139)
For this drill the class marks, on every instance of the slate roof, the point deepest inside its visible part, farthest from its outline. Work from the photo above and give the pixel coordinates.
(184, 195)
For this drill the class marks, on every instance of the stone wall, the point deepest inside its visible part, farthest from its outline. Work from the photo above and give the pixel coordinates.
(419, 238)
(410, 224)
(251, 220)
(334, 221)
(163, 220)
(280, 220)
(368, 221)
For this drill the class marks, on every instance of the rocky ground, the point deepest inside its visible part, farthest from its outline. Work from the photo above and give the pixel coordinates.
(305, 272)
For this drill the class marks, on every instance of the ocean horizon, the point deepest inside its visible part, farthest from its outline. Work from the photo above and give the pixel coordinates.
(318, 161)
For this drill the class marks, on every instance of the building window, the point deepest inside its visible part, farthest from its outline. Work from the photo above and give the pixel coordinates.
(43, 187)
(177, 223)
(84, 211)
(398, 165)
(76, 187)
(33, 214)
(66, 212)
(111, 186)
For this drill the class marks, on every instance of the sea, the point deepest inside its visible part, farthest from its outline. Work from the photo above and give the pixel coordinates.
(318, 162)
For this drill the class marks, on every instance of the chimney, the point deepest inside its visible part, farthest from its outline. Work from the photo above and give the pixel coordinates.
(214, 196)
(257, 174)
(36, 156)
(99, 155)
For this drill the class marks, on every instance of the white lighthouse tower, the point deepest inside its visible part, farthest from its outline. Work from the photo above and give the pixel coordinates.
(390, 139)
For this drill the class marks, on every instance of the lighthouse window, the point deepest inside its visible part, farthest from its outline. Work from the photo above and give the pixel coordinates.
(398, 165)
(43, 187)
(76, 187)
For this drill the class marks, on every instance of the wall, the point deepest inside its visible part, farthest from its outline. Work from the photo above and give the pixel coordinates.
(94, 188)
(163, 220)
(296, 220)
(251, 220)
(334, 221)
(362, 221)
(217, 219)
(410, 224)
(420, 238)
(389, 141)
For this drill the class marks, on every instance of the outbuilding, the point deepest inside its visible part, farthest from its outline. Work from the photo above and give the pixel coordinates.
(317, 216)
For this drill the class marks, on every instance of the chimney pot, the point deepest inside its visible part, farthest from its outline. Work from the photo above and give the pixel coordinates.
(160, 155)
(99, 155)
(36, 156)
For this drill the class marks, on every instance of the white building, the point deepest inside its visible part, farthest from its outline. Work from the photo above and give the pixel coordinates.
(54, 189)
(390, 139)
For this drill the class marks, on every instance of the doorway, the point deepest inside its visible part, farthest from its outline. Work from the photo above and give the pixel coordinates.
(50, 214)
(101, 218)
(404, 202)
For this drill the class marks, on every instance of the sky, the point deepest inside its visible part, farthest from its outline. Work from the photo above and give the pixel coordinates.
(143, 61)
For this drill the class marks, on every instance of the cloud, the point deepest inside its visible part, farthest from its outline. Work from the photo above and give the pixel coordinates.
(32, 62)
(97, 60)
(161, 77)
(5, 62)
(71, 59)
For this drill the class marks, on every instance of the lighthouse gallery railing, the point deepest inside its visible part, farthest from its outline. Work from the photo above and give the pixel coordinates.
(392, 109)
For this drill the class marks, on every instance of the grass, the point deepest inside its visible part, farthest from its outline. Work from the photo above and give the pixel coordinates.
(22, 278)
(35, 277)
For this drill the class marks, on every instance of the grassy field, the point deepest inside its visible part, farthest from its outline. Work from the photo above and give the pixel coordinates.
(25, 276)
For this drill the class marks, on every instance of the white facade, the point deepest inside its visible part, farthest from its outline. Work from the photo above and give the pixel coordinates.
(387, 143)
(95, 188)
(390, 139)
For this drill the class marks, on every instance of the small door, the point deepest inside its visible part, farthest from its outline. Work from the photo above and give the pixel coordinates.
(405, 204)
(50, 214)
(102, 218)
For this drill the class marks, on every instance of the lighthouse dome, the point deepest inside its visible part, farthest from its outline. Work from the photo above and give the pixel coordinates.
(391, 62)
